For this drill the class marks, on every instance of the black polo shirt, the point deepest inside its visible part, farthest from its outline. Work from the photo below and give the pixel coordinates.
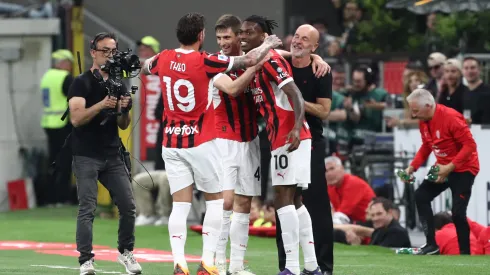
(92, 139)
(456, 100)
(477, 101)
(312, 88)
(394, 235)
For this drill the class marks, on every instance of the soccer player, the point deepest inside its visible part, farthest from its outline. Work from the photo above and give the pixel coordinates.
(445, 133)
(189, 149)
(280, 102)
(239, 143)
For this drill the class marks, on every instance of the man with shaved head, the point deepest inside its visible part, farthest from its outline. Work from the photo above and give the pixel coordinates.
(317, 93)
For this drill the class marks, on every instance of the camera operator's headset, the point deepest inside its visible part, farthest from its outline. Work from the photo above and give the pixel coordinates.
(369, 75)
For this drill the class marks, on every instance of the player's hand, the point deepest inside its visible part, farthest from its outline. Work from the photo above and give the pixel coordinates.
(108, 102)
(273, 41)
(409, 170)
(125, 100)
(293, 140)
(352, 238)
(444, 171)
(259, 65)
(320, 67)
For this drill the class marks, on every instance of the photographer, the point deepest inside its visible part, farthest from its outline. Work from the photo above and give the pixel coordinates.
(96, 149)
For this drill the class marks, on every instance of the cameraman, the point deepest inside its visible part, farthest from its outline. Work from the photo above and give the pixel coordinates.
(96, 155)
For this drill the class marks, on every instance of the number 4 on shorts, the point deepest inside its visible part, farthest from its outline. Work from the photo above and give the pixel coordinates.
(257, 173)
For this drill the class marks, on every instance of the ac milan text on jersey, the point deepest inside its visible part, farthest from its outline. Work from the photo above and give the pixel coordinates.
(272, 103)
(185, 75)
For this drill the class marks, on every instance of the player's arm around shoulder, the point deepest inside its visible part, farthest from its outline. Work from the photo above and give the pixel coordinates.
(150, 65)
(256, 55)
(225, 84)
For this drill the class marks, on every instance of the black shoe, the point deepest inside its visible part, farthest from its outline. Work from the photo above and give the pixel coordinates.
(428, 249)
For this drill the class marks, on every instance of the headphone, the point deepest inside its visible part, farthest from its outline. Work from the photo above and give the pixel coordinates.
(97, 38)
(369, 75)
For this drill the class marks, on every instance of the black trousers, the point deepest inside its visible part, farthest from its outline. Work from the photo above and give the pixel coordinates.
(113, 174)
(316, 200)
(59, 186)
(460, 185)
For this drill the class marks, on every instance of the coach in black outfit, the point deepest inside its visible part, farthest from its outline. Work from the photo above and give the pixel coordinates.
(317, 93)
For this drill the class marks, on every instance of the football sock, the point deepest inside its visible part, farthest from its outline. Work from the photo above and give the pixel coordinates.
(239, 240)
(288, 218)
(306, 239)
(223, 238)
(211, 229)
(177, 229)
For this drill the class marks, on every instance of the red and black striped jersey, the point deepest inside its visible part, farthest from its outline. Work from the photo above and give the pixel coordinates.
(188, 118)
(273, 104)
(236, 117)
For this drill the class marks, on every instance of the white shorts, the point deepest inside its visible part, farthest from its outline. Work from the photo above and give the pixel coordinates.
(292, 168)
(200, 165)
(241, 166)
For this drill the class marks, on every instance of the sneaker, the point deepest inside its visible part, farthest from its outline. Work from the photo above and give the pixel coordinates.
(178, 270)
(221, 266)
(127, 259)
(144, 220)
(207, 270)
(428, 249)
(286, 272)
(87, 268)
(317, 271)
(161, 221)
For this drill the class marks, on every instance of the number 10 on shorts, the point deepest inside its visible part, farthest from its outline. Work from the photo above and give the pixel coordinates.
(281, 162)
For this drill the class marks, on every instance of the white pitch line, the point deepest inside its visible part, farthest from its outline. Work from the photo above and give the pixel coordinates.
(74, 268)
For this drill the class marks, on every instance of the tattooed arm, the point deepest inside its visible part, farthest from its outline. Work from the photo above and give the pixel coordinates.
(254, 56)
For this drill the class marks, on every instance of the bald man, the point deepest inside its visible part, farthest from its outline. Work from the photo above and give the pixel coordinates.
(317, 93)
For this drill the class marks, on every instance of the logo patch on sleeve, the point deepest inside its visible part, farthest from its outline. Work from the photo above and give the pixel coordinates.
(222, 57)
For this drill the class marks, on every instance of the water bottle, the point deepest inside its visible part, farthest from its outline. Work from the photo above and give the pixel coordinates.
(433, 174)
(405, 177)
(407, 251)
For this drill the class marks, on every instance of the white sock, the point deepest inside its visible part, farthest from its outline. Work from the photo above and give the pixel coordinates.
(239, 240)
(306, 239)
(290, 236)
(177, 230)
(223, 238)
(211, 229)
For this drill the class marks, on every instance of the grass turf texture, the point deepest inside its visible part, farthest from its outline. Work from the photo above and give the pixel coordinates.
(58, 225)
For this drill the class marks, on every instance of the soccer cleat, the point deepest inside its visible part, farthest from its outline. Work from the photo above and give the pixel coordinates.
(428, 249)
(241, 272)
(129, 262)
(178, 270)
(317, 271)
(286, 272)
(221, 266)
(87, 268)
(207, 270)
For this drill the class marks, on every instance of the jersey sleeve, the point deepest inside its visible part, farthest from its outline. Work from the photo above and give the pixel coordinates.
(153, 65)
(277, 71)
(217, 63)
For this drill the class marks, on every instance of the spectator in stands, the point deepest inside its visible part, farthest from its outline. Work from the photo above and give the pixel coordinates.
(478, 97)
(365, 103)
(447, 238)
(269, 214)
(386, 231)
(151, 211)
(453, 92)
(349, 194)
(256, 211)
(410, 67)
(435, 62)
(325, 38)
(414, 79)
(54, 87)
(352, 16)
(338, 78)
(334, 49)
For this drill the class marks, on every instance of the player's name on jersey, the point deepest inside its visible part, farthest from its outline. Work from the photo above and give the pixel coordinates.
(176, 66)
